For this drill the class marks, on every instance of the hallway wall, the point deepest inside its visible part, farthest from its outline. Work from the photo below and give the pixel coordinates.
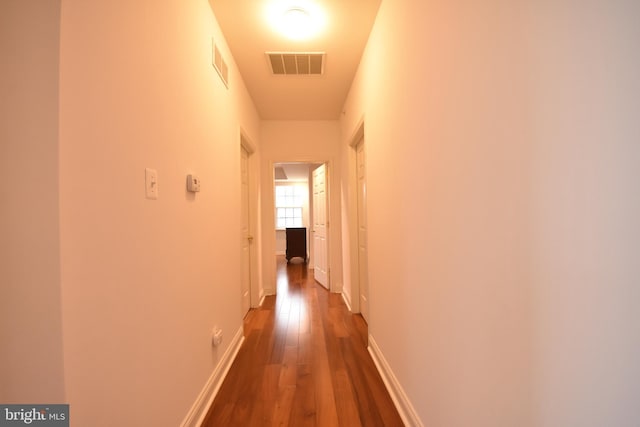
(502, 176)
(144, 281)
(300, 141)
(585, 212)
(31, 362)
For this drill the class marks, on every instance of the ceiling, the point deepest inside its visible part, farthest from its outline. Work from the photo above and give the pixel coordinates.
(295, 172)
(296, 97)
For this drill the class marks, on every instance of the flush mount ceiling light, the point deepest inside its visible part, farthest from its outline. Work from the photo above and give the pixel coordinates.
(297, 20)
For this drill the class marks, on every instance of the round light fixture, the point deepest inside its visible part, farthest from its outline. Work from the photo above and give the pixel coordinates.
(297, 20)
(296, 23)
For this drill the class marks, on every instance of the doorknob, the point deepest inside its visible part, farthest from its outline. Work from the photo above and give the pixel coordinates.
(250, 239)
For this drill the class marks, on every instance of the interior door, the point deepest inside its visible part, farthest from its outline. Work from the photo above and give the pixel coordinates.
(320, 225)
(363, 275)
(246, 237)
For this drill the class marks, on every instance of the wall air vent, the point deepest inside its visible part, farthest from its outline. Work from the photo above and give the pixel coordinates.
(219, 64)
(296, 63)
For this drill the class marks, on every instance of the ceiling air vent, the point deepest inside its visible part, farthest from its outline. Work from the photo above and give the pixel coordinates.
(296, 63)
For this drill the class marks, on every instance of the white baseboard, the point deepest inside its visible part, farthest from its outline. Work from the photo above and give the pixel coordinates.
(260, 299)
(336, 287)
(199, 410)
(400, 399)
(347, 301)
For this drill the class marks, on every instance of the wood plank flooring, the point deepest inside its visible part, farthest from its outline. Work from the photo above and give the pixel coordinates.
(304, 362)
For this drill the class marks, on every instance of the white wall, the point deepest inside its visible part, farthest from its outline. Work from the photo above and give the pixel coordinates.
(503, 235)
(300, 141)
(586, 212)
(144, 281)
(281, 242)
(31, 363)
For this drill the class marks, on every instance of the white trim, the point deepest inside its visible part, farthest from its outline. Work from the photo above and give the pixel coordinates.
(253, 186)
(400, 399)
(260, 299)
(201, 406)
(246, 142)
(338, 289)
(347, 300)
(357, 135)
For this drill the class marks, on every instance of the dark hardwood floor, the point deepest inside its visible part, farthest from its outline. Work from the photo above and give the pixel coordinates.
(304, 362)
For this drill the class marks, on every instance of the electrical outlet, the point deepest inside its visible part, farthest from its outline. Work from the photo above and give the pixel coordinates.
(216, 336)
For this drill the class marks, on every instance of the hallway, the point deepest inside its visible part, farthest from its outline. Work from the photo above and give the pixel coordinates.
(501, 157)
(304, 362)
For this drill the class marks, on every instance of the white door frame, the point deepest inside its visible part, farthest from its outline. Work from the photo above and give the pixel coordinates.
(318, 272)
(255, 291)
(246, 239)
(363, 265)
(333, 266)
(354, 299)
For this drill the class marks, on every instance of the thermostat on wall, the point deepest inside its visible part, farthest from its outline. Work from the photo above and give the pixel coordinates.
(193, 183)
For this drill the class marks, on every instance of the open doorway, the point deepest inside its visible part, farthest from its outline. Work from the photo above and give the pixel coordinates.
(301, 212)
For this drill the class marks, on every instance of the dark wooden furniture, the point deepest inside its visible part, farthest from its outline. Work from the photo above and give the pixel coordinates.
(297, 243)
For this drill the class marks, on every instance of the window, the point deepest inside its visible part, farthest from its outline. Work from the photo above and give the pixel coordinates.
(289, 202)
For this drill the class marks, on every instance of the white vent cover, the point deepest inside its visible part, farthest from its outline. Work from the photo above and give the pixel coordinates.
(219, 64)
(296, 63)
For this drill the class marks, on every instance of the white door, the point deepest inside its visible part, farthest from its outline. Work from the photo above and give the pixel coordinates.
(246, 237)
(319, 231)
(363, 276)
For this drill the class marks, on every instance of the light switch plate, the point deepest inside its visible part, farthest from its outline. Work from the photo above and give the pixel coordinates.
(193, 183)
(151, 183)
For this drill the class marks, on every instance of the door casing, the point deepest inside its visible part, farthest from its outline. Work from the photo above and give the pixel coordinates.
(320, 227)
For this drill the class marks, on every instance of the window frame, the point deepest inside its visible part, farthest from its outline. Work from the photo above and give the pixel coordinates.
(293, 200)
